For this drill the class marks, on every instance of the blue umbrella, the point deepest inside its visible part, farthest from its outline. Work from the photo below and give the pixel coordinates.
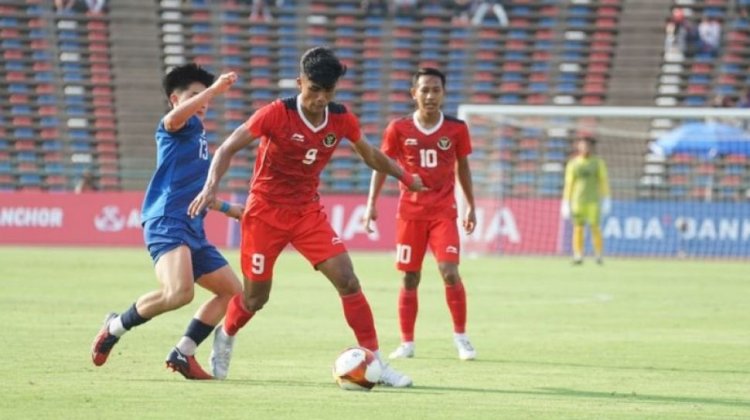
(704, 139)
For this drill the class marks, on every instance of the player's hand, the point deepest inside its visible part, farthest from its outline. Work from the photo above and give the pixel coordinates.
(565, 209)
(606, 205)
(201, 201)
(224, 82)
(236, 211)
(470, 221)
(371, 215)
(417, 185)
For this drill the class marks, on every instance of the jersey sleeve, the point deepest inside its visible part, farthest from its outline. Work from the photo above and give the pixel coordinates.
(389, 146)
(568, 186)
(259, 123)
(352, 130)
(463, 148)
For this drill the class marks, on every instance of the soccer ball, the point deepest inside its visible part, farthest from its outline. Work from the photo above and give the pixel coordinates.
(357, 369)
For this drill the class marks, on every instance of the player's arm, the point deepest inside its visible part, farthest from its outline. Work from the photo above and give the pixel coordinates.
(567, 191)
(238, 140)
(371, 213)
(179, 115)
(463, 172)
(378, 161)
(232, 210)
(604, 192)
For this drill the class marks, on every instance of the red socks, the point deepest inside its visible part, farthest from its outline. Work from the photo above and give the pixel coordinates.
(237, 315)
(408, 304)
(455, 296)
(359, 317)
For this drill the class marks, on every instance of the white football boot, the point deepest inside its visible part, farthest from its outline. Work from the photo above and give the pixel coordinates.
(403, 351)
(394, 378)
(221, 354)
(465, 349)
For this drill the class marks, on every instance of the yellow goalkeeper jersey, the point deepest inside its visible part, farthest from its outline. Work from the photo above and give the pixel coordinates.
(586, 180)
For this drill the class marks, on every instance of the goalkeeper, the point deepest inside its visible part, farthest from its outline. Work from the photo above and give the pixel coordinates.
(586, 197)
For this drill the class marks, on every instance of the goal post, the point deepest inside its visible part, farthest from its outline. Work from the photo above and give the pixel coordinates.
(680, 179)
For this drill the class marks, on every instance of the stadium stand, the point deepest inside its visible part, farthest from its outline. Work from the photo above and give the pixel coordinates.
(58, 86)
(58, 101)
(700, 78)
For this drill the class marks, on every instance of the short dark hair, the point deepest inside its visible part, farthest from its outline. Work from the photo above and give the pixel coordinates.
(588, 139)
(428, 71)
(181, 77)
(322, 67)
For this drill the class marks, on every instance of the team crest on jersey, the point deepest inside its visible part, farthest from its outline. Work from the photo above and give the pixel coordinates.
(330, 140)
(444, 143)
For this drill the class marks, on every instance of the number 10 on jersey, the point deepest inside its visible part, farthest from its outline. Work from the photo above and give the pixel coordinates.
(428, 158)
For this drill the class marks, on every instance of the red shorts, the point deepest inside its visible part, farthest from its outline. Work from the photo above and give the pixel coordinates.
(268, 228)
(413, 236)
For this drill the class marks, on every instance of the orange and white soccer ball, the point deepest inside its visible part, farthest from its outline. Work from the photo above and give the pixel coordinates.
(357, 369)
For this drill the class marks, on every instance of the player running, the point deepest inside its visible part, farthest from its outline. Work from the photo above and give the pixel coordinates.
(297, 138)
(586, 197)
(434, 146)
(177, 242)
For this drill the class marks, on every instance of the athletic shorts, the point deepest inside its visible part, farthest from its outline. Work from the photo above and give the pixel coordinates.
(587, 213)
(413, 237)
(164, 234)
(267, 229)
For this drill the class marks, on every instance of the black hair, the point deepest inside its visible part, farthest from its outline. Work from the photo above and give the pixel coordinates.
(322, 67)
(181, 77)
(428, 71)
(588, 139)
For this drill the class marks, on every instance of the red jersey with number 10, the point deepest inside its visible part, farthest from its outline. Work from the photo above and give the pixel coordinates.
(292, 152)
(432, 153)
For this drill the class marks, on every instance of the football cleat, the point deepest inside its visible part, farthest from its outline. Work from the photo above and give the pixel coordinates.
(221, 354)
(393, 378)
(403, 351)
(186, 365)
(103, 342)
(465, 349)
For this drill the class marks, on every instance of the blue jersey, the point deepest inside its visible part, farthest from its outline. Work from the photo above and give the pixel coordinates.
(182, 163)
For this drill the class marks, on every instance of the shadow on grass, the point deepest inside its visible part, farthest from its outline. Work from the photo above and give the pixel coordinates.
(428, 389)
(584, 365)
(565, 392)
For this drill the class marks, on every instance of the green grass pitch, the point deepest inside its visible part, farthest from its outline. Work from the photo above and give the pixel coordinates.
(633, 339)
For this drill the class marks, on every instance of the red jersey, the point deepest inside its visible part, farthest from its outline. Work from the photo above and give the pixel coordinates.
(292, 153)
(431, 153)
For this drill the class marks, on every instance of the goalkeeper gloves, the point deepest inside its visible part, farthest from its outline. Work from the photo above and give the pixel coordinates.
(606, 205)
(565, 209)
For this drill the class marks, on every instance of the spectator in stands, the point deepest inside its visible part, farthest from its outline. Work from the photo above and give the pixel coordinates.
(65, 6)
(675, 44)
(96, 7)
(260, 7)
(709, 31)
(461, 10)
(87, 183)
(484, 6)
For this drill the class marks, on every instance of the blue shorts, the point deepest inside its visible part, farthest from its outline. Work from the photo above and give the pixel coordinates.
(164, 234)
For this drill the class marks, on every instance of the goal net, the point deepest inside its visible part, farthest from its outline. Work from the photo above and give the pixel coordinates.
(680, 179)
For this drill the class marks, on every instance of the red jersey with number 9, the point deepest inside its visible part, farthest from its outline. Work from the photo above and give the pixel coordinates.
(292, 152)
(432, 153)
